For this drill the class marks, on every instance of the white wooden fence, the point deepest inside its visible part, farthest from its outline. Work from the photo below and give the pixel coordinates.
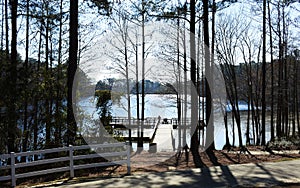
(71, 158)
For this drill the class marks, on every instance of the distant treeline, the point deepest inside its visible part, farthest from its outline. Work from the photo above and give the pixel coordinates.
(151, 87)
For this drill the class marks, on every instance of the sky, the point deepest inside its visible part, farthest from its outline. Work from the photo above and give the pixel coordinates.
(96, 33)
(99, 66)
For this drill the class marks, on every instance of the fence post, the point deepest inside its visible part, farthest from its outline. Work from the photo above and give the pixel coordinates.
(71, 161)
(128, 147)
(13, 169)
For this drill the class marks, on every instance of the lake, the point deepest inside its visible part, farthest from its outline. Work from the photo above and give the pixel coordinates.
(165, 106)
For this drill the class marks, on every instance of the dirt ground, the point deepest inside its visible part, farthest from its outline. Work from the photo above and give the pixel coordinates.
(181, 161)
(178, 161)
(224, 157)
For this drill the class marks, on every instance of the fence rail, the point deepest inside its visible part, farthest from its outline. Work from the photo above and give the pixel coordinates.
(71, 158)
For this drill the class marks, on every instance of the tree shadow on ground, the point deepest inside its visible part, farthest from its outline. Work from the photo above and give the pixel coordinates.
(229, 158)
(247, 175)
(212, 157)
(220, 176)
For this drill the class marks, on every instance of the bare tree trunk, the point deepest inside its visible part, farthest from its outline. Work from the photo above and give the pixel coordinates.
(210, 143)
(125, 35)
(201, 130)
(2, 68)
(235, 107)
(252, 104)
(12, 109)
(178, 86)
(51, 86)
(185, 82)
(263, 98)
(47, 80)
(194, 98)
(58, 106)
(2, 26)
(297, 54)
(233, 126)
(227, 146)
(249, 80)
(36, 98)
(248, 118)
(272, 74)
(72, 67)
(286, 80)
(257, 101)
(294, 93)
(279, 96)
(227, 143)
(297, 96)
(143, 76)
(247, 45)
(137, 91)
(25, 126)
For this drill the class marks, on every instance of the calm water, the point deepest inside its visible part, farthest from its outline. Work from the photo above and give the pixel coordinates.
(165, 107)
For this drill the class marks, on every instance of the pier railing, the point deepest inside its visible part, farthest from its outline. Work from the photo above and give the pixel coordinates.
(148, 122)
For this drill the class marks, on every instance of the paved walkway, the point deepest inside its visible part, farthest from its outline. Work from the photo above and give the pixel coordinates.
(246, 175)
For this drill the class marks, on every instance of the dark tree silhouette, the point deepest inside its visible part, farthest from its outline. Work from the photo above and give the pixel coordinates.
(72, 67)
(12, 108)
(263, 98)
(194, 97)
